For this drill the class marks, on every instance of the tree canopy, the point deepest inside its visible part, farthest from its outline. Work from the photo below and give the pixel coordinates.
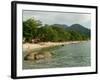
(34, 29)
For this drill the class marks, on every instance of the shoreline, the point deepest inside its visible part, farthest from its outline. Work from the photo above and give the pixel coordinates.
(31, 46)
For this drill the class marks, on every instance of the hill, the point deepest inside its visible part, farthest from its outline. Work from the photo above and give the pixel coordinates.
(79, 28)
(54, 32)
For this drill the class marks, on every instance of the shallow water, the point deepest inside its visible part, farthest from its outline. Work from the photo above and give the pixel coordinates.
(70, 55)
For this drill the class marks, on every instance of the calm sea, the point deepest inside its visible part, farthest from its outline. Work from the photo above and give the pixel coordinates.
(70, 55)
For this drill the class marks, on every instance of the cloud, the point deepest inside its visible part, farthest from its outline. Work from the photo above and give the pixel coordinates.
(59, 17)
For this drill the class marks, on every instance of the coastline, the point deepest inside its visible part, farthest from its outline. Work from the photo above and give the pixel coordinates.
(31, 46)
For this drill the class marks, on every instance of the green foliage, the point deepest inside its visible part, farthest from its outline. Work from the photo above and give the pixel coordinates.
(33, 29)
(30, 28)
(47, 33)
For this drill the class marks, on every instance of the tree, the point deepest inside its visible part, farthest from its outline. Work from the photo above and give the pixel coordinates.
(46, 33)
(33, 29)
(30, 28)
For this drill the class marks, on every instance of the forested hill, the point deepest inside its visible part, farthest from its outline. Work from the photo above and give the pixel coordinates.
(80, 28)
(61, 25)
(34, 29)
(75, 27)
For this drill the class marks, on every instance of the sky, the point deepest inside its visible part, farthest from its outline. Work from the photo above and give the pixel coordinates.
(68, 18)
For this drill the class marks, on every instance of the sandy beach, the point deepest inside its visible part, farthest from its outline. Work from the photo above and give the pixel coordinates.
(30, 46)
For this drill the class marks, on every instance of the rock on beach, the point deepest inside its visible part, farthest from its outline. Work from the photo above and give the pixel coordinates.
(38, 55)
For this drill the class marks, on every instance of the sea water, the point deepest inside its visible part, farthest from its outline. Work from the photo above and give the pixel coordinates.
(70, 55)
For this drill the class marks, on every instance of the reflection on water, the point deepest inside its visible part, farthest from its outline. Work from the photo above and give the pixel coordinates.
(71, 55)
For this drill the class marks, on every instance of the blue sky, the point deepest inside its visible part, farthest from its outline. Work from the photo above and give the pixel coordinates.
(67, 18)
